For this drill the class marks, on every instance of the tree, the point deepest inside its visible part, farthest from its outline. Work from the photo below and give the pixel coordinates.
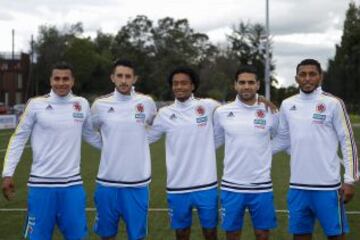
(176, 43)
(50, 48)
(247, 47)
(343, 73)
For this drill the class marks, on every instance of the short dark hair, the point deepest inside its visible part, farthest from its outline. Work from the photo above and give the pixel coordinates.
(309, 61)
(194, 77)
(122, 62)
(62, 65)
(246, 69)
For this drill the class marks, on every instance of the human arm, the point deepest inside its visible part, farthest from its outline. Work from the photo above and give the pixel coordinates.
(152, 112)
(268, 104)
(348, 147)
(156, 130)
(15, 149)
(8, 188)
(89, 133)
(347, 192)
(219, 135)
(281, 140)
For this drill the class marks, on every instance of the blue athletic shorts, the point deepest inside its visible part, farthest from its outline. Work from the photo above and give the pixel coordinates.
(260, 206)
(64, 206)
(182, 204)
(307, 205)
(129, 203)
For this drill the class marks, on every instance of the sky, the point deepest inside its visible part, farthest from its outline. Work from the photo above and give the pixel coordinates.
(299, 29)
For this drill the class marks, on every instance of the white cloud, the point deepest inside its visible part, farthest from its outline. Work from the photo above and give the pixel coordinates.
(300, 29)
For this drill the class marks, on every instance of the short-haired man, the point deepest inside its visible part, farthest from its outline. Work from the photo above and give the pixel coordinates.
(246, 128)
(56, 122)
(125, 168)
(190, 155)
(313, 123)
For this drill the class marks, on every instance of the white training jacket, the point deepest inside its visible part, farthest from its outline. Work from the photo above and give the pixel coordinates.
(190, 148)
(246, 131)
(56, 125)
(313, 125)
(125, 155)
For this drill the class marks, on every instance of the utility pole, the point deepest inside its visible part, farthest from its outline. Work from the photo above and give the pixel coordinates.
(267, 56)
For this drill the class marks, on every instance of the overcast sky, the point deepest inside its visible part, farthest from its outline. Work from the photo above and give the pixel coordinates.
(299, 29)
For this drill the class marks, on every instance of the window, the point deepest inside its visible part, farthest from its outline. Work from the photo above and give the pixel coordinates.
(18, 97)
(19, 81)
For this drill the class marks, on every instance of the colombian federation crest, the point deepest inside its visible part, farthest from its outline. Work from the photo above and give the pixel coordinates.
(77, 106)
(320, 108)
(200, 110)
(77, 114)
(140, 108)
(140, 115)
(260, 113)
(319, 116)
(260, 121)
(201, 120)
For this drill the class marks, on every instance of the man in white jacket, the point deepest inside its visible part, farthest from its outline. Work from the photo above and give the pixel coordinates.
(122, 189)
(190, 155)
(56, 123)
(312, 124)
(246, 127)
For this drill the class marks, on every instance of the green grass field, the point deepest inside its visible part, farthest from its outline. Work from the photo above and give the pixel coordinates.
(11, 222)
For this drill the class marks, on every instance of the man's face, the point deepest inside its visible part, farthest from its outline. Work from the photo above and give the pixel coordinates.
(247, 86)
(123, 78)
(182, 86)
(308, 78)
(61, 81)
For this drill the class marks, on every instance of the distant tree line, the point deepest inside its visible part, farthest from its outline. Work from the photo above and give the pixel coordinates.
(157, 47)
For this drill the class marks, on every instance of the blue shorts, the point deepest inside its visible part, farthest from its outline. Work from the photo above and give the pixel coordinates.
(307, 205)
(129, 203)
(64, 206)
(182, 204)
(260, 206)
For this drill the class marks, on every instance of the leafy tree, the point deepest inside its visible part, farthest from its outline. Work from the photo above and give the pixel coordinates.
(247, 47)
(343, 74)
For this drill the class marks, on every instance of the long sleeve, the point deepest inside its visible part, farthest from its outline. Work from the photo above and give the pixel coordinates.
(88, 132)
(281, 141)
(157, 129)
(18, 140)
(219, 135)
(274, 125)
(344, 132)
(152, 113)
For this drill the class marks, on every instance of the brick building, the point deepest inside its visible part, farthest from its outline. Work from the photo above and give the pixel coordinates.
(14, 78)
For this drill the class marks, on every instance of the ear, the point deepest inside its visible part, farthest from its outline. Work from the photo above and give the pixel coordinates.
(296, 79)
(235, 85)
(112, 77)
(135, 79)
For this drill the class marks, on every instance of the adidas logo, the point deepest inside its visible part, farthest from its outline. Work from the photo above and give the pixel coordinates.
(231, 114)
(173, 116)
(293, 108)
(49, 107)
(111, 109)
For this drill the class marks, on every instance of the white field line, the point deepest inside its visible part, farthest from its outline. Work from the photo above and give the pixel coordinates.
(152, 210)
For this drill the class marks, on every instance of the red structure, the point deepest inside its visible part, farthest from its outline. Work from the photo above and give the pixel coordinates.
(14, 78)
